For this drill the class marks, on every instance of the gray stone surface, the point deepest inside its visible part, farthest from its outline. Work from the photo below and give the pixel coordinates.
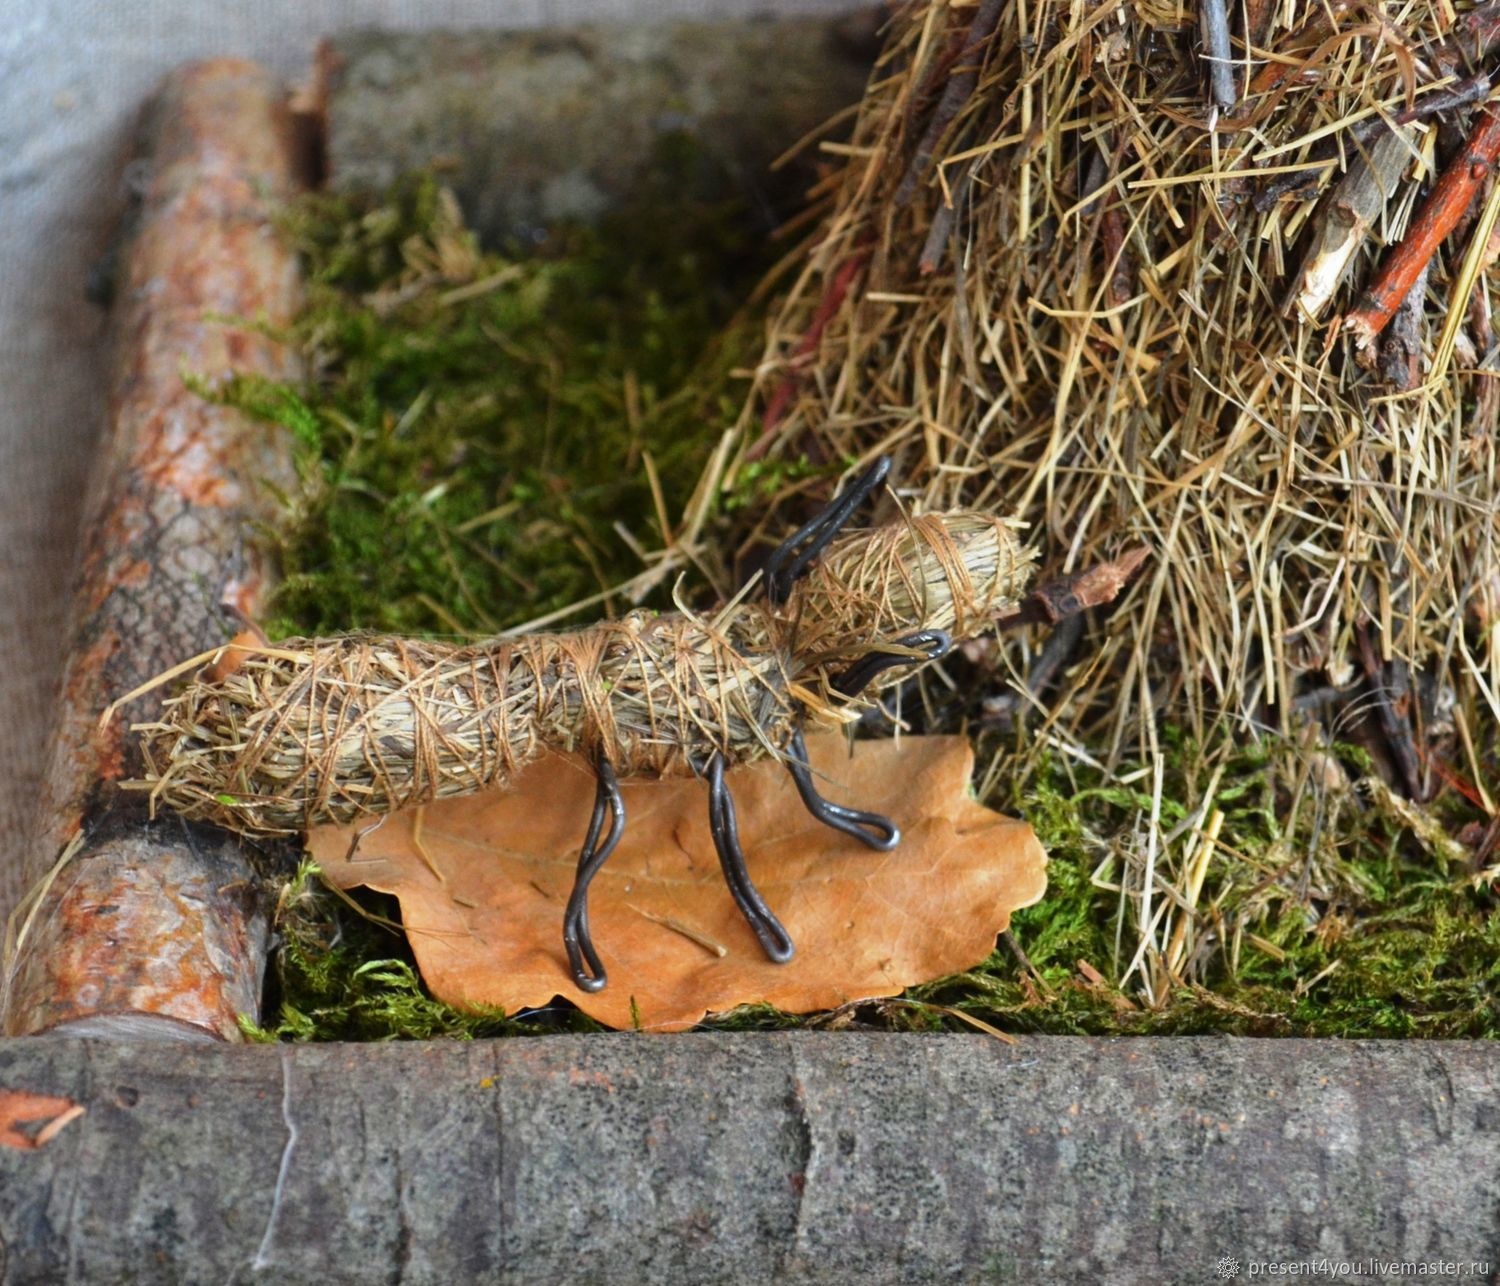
(756, 1158)
(537, 127)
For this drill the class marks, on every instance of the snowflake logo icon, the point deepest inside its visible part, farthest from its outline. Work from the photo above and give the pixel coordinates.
(1227, 1267)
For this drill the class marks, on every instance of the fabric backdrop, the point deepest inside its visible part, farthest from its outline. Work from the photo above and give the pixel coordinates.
(73, 74)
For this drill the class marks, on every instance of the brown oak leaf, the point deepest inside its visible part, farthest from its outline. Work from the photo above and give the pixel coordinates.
(483, 880)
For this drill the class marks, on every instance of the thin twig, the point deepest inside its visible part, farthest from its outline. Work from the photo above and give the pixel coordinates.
(943, 219)
(1401, 346)
(1440, 213)
(1391, 696)
(1000, 711)
(1023, 959)
(955, 94)
(1214, 16)
(1068, 595)
(1061, 602)
(781, 400)
(1464, 94)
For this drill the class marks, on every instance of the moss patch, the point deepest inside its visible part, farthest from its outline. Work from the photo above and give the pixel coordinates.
(343, 972)
(1320, 913)
(474, 432)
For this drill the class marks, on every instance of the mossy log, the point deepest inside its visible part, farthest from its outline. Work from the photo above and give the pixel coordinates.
(804, 1157)
(533, 128)
(158, 921)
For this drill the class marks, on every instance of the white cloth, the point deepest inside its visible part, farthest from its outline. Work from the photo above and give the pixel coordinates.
(73, 75)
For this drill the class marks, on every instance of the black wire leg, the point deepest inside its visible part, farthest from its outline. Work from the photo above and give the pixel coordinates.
(576, 937)
(789, 560)
(854, 680)
(775, 940)
(871, 829)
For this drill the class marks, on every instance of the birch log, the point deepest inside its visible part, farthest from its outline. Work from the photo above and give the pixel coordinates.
(158, 927)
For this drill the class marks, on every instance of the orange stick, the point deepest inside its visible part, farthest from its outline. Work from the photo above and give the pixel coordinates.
(1440, 213)
(152, 927)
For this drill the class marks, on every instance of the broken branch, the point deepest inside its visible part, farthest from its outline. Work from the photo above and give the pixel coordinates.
(1440, 213)
(1068, 595)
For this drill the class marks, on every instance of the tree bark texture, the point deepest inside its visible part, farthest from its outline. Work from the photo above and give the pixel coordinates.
(532, 128)
(158, 918)
(803, 1157)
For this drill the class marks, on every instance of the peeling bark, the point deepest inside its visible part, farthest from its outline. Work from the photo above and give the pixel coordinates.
(139, 920)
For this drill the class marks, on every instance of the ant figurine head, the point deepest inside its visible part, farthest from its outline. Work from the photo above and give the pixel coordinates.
(954, 572)
(885, 597)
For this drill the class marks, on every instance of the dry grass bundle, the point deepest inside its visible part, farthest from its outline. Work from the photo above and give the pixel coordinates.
(956, 572)
(318, 730)
(1063, 272)
(274, 739)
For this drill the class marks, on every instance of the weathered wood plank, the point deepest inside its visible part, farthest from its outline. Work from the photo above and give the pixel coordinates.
(754, 1158)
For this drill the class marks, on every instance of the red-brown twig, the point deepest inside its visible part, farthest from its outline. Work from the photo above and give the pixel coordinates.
(1258, 15)
(1440, 213)
(1270, 84)
(1121, 271)
(781, 400)
(1068, 595)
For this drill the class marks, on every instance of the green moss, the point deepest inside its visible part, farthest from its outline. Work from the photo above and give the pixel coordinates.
(1324, 919)
(461, 432)
(343, 971)
(459, 441)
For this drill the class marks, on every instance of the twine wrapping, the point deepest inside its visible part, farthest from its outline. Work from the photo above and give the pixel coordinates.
(942, 571)
(317, 730)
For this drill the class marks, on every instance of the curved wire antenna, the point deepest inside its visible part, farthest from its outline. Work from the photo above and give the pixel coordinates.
(790, 558)
(774, 939)
(576, 937)
(854, 680)
(871, 829)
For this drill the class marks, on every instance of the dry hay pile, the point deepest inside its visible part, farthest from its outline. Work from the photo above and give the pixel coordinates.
(1063, 270)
